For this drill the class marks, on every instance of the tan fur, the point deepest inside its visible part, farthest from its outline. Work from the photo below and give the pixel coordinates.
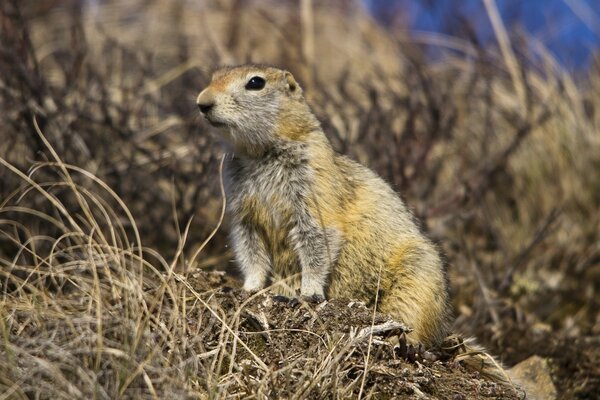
(364, 230)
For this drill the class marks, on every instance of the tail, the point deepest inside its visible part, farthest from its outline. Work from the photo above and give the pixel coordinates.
(475, 358)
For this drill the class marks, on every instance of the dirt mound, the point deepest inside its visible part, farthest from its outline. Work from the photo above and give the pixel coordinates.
(326, 345)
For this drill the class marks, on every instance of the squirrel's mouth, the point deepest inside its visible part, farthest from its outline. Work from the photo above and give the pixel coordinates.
(214, 123)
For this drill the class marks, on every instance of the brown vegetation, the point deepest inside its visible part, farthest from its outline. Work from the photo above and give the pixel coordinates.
(109, 183)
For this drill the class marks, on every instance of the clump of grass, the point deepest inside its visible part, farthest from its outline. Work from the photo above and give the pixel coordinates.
(87, 311)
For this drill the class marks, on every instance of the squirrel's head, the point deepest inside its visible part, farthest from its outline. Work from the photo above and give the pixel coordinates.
(256, 106)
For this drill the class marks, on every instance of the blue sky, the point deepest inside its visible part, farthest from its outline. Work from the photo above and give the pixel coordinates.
(570, 29)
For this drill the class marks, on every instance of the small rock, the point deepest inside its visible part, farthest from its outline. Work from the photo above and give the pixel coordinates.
(533, 374)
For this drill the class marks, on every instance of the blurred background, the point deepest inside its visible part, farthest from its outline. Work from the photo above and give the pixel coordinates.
(566, 28)
(483, 114)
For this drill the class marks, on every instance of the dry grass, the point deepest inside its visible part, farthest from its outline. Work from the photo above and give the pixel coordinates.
(497, 150)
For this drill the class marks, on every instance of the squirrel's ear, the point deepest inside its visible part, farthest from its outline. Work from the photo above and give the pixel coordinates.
(291, 83)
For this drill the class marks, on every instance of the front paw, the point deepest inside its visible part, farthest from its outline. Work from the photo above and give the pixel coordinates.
(252, 286)
(312, 288)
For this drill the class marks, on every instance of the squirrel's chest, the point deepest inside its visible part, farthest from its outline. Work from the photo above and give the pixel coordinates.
(269, 194)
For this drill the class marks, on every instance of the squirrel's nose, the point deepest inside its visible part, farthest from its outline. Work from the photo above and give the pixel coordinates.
(205, 100)
(205, 107)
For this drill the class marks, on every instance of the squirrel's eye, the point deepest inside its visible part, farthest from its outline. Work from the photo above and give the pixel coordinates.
(255, 83)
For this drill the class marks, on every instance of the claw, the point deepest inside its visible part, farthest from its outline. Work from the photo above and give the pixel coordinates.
(281, 299)
(292, 301)
(314, 299)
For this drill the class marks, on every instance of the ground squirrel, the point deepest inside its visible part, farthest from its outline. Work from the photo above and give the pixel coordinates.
(298, 207)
